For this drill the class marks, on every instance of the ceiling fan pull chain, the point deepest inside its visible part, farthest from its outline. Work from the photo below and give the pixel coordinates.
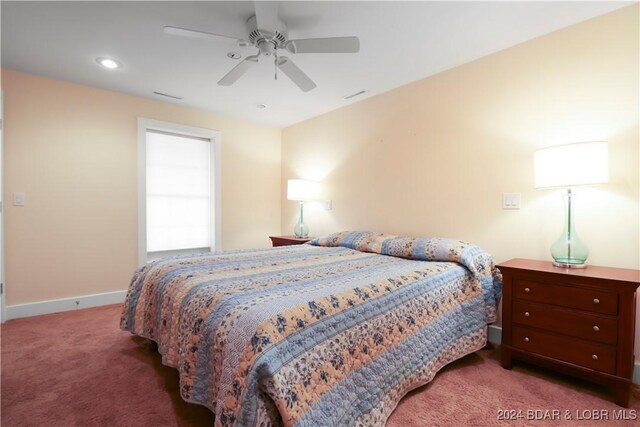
(276, 63)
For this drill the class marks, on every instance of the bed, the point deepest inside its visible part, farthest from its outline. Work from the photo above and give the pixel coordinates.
(334, 332)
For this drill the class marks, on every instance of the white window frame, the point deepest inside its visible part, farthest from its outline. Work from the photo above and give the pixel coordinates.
(145, 124)
(3, 291)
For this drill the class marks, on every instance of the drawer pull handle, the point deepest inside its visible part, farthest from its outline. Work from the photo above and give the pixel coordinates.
(594, 356)
(596, 301)
(526, 314)
(526, 339)
(596, 328)
(527, 290)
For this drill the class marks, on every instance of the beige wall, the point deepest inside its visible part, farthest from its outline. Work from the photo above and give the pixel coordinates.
(430, 158)
(434, 157)
(72, 149)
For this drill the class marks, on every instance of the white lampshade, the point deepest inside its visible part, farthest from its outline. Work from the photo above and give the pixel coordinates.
(572, 164)
(302, 190)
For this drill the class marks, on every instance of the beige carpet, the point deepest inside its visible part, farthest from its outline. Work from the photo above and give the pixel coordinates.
(79, 369)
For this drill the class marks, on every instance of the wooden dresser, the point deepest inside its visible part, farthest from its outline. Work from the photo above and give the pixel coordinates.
(577, 321)
(288, 240)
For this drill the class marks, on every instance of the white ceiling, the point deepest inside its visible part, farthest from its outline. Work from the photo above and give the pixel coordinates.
(400, 42)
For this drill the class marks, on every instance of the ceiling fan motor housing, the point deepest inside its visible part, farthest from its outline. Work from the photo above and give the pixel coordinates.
(267, 40)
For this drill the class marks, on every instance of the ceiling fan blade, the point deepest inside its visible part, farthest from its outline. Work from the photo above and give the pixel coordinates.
(238, 71)
(266, 15)
(177, 31)
(295, 74)
(325, 45)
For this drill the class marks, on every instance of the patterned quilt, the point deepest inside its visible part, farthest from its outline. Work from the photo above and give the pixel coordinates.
(330, 333)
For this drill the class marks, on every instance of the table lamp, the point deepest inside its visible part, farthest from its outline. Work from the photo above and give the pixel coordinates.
(302, 190)
(568, 166)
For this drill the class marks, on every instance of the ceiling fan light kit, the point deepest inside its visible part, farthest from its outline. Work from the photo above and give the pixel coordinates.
(269, 34)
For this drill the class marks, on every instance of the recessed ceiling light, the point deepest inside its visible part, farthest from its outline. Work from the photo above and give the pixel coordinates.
(234, 55)
(109, 63)
(261, 106)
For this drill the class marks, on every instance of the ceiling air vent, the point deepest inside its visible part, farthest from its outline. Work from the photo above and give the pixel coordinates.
(353, 95)
(167, 95)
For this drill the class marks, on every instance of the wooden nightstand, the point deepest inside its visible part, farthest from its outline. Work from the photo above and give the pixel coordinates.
(288, 240)
(577, 321)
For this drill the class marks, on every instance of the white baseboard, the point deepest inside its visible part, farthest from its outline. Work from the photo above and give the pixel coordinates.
(495, 337)
(65, 304)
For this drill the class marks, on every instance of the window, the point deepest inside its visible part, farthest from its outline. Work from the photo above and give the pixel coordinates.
(179, 189)
(178, 192)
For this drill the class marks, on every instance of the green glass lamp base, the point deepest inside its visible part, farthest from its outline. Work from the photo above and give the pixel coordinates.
(569, 251)
(301, 230)
(563, 264)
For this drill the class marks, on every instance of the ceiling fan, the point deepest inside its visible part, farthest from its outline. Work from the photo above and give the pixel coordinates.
(269, 34)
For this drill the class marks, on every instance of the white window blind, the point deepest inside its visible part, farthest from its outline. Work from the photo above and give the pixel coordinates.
(178, 184)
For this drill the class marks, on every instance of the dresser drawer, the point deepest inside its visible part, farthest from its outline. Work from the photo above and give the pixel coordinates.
(599, 357)
(597, 301)
(565, 321)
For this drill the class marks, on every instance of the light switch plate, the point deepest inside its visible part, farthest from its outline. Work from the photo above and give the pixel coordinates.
(511, 200)
(19, 199)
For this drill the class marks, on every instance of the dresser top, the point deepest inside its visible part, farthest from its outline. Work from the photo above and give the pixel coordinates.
(591, 271)
(292, 238)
